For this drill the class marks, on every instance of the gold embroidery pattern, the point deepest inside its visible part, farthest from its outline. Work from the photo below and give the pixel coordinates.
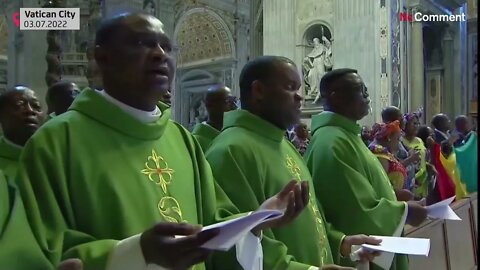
(296, 172)
(157, 171)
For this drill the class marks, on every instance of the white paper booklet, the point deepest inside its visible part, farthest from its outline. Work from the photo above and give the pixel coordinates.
(442, 210)
(231, 231)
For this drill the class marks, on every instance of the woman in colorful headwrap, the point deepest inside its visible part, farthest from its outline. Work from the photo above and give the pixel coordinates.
(411, 141)
(386, 141)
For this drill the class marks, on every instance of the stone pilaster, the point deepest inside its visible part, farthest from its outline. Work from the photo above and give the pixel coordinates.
(279, 27)
(417, 96)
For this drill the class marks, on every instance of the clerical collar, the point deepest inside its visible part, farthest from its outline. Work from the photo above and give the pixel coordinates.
(142, 116)
(247, 120)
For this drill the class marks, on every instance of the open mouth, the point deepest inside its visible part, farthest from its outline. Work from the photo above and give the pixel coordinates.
(161, 71)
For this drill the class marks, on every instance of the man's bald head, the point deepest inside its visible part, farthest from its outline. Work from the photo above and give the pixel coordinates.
(20, 114)
(124, 21)
(60, 96)
(219, 99)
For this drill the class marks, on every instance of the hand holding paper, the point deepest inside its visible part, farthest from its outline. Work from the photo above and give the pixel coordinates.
(231, 231)
(442, 210)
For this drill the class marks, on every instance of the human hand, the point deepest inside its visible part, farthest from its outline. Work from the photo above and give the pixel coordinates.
(404, 195)
(71, 264)
(291, 200)
(414, 155)
(359, 239)
(416, 213)
(161, 247)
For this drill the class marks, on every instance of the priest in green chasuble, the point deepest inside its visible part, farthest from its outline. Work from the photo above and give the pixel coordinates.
(348, 179)
(113, 180)
(18, 246)
(251, 159)
(218, 100)
(20, 116)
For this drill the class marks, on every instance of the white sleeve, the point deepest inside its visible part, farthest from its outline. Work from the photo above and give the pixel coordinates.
(128, 255)
(249, 252)
(385, 259)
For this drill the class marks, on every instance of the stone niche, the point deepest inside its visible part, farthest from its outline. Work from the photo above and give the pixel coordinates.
(311, 66)
(205, 57)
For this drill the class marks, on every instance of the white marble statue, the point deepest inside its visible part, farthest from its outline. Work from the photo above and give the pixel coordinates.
(149, 7)
(315, 64)
(202, 112)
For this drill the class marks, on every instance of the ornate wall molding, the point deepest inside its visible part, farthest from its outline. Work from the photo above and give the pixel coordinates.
(202, 35)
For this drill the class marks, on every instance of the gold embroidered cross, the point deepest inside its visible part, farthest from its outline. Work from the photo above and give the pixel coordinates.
(293, 167)
(159, 173)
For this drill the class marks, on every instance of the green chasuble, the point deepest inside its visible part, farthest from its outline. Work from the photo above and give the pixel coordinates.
(9, 155)
(18, 247)
(96, 174)
(252, 160)
(204, 133)
(351, 183)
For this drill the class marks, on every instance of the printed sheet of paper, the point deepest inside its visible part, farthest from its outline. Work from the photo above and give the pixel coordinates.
(442, 210)
(401, 245)
(231, 231)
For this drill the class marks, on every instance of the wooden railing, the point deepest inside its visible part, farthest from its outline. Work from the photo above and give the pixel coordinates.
(453, 243)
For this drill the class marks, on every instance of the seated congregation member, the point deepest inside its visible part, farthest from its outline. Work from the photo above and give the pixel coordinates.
(20, 116)
(408, 157)
(410, 140)
(301, 138)
(348, 179)
(18, 246)
(113, 180)
(218, 100)
(251, 159)
(60, 97)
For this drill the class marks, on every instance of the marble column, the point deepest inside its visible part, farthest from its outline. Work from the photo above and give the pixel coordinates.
(279, 28)
(256, 28)
(448, 92)
(26, 55)
(417, 93)
(460, 62)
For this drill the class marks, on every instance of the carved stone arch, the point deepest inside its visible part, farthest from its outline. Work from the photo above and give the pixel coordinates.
(202, 36)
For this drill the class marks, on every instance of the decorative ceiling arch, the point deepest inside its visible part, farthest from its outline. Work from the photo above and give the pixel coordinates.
(202, 35)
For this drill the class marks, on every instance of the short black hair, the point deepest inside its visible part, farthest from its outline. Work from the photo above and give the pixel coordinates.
(460, 118)
(259, 69)
(331, 77)
(108, 27)
(55, 88)
(437, 120)
(423, 132)
(390, 113)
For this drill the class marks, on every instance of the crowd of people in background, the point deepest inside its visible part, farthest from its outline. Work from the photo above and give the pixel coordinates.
(410, 153)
